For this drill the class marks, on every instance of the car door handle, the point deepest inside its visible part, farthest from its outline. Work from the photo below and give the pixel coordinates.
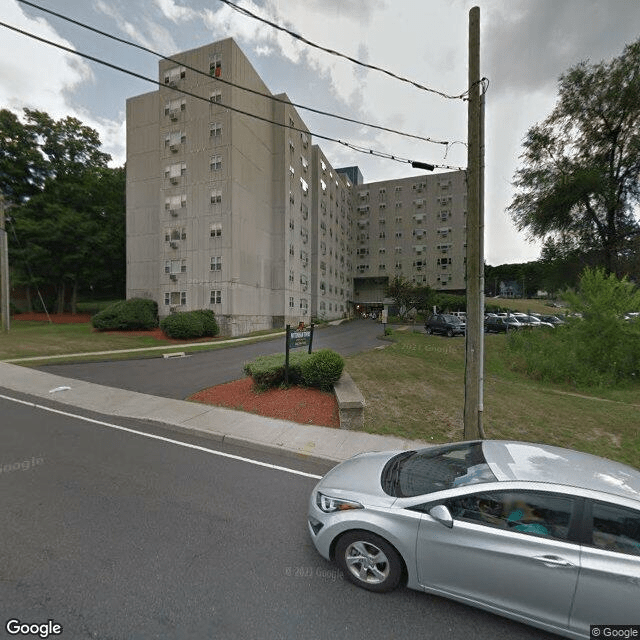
(553, 561)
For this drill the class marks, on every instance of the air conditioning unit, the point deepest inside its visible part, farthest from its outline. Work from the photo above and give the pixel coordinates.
(174, 179)
(174, 114)
(173, 147)
(173, 277)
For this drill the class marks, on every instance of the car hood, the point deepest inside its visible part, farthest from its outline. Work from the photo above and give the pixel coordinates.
(359, 479)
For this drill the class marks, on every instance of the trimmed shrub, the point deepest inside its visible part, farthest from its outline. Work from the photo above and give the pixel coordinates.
(268, 371)
(135, 314)
(209, 322)
(322, 369)
(190, 324)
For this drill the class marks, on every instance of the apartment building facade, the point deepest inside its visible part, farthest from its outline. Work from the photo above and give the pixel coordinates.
(245, 216)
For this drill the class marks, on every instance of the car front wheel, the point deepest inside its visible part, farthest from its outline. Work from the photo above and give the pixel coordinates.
(450, 333)
(369, 561)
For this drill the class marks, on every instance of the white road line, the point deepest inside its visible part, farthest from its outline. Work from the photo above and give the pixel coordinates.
(163, 439)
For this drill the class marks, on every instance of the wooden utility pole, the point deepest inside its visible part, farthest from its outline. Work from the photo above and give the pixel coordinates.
(4, 270)
(474, 345)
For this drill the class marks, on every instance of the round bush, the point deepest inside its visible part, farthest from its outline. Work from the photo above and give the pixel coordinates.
(209, 322)
(134, 314)
(183, 325)
(322, 369)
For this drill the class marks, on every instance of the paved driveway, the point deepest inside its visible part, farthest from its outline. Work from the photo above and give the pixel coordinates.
(179, 378)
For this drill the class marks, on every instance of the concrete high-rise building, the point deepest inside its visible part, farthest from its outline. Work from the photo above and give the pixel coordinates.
(245, 216)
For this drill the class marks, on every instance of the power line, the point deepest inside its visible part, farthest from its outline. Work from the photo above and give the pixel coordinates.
(297, 36)
(232, 84)
(354, 147)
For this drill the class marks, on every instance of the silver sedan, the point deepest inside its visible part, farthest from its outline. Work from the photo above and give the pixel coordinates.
(539, 534)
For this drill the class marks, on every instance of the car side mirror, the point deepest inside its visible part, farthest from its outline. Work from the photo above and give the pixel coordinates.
(442, 515)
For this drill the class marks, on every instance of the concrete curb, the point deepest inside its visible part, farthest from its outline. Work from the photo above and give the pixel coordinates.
(221, 425)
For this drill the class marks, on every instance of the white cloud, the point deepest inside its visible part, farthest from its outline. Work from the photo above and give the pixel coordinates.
(148, 33)
(176, 13)
(34, 74)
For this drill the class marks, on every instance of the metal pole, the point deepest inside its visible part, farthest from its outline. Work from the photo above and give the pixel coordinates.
(475, 262)
(286, 355)
(4, 269)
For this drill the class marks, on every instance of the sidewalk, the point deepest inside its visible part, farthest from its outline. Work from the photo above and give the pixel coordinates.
(221, 425)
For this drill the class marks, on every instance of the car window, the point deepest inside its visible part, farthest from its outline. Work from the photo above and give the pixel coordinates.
(527, 512)
(616, 529)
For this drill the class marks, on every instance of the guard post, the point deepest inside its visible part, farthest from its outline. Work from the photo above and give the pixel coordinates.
(301, 337)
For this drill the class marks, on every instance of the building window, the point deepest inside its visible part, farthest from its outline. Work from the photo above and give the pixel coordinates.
(216, 297)
(291, 302)
(215, 65)
(174, 267)
(216, 163)
(291, 276)
(216, 230)
(173, 203)
(174, 74)
(216, 263)
(398, 234)
(216, 96)
(174, 139)
(216, 196)
(172, 108)
(382, 267)
(175, 298)
(215, 130)
(174, 171)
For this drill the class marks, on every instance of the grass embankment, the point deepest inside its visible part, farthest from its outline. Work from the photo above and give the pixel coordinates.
(28, 339)
(414, 388)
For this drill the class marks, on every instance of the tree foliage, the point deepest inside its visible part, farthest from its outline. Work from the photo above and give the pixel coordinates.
(407, 296)
(579, 180)
(597, 348)
(68, 207)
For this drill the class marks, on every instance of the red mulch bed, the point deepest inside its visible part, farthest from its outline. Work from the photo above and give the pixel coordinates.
(297, 404)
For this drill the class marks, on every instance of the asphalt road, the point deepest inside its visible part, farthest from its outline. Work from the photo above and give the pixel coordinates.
(115, 535)
(179, 378)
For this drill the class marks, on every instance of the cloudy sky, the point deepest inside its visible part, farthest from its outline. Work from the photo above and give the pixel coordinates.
(525, 46)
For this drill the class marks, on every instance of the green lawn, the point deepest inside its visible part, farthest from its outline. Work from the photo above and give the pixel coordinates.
(28, 339)
(414, 388)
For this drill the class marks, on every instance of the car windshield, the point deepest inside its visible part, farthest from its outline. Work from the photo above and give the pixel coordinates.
(452, 319)
(415, 473)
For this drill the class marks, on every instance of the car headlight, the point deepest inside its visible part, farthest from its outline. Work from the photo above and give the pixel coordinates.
(329, 504)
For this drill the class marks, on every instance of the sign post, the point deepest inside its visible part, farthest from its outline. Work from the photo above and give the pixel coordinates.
(301, 337)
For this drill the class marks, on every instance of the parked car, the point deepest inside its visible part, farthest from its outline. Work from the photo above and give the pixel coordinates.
(543, 535)
(533, 321)
(502, 324)
(554, 320)
(446, 324)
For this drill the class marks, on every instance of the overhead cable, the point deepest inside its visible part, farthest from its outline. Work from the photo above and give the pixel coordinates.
(233, 84)
(354, 147)
(297, 36)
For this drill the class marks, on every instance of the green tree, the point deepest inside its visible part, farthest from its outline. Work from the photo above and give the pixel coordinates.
(21, 164)
(403, 294)
(581, 166)
(69, 234)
